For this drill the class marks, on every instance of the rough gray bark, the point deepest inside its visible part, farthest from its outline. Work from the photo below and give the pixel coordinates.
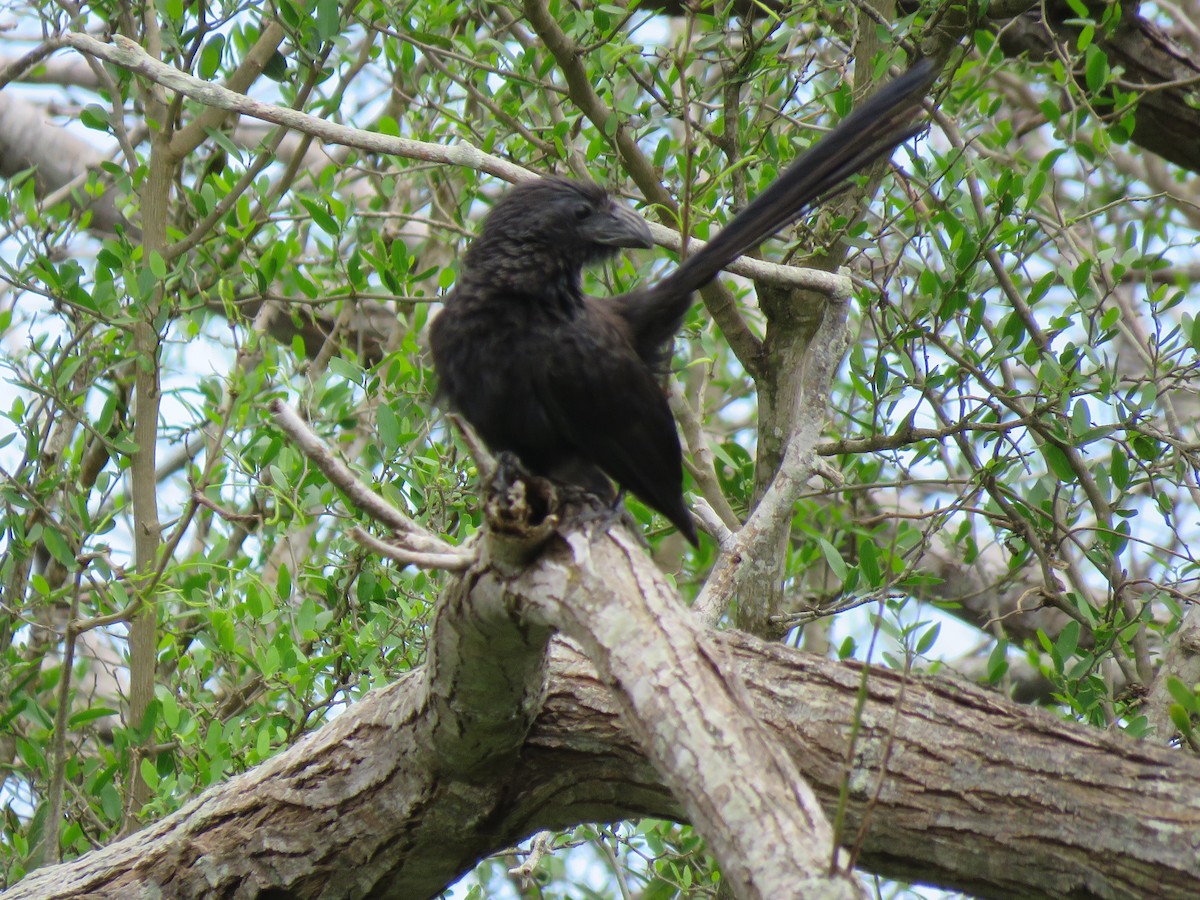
(1181, 660)
(688, 709)
(980, 794)
(61, 162)
(1167, 119)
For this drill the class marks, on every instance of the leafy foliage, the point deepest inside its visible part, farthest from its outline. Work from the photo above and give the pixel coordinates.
(1014, 425)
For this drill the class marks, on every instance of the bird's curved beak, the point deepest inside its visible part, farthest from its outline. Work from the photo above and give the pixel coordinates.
(619, 226)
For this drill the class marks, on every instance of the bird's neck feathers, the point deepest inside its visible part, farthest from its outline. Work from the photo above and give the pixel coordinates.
(523, 274)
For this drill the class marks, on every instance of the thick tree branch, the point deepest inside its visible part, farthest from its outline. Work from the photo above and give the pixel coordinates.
(980, 794)
(738, 786)
(687, 708)
(26, 142)
(127, 54)
(1167, 77)
(742, 562)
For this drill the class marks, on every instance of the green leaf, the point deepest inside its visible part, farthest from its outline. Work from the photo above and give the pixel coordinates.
(320, 215)
(1086, 35)
(997, 664)
(306, 619)
(1040, 287)
(158, 267)
(169, 708)
(833, 558)
(868, 561)
(1068, 640)
(389, 428)
(256, 602)
(149, 773)
(928, 638)
(276, 68)
(1081, 278)
(90, 715)
(1179, 718)
(1183, 695)
(1058, 463)
(269, 664)
(94, 117)
(283, 583)
(1095, 68)
(222, 629)
(328, 19)
(1145, 447)
(346, 369)
(210, 56)
(262, 744)
(1045, 641)
(110, 803)
(58, 547)
(1081, 419)
(1118, 467)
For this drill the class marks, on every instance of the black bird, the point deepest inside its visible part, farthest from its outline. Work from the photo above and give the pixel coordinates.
(569, 382)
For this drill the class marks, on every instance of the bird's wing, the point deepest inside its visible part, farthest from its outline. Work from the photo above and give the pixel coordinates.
(605, 401)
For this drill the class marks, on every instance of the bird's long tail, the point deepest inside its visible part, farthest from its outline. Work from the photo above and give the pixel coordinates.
(870, 132)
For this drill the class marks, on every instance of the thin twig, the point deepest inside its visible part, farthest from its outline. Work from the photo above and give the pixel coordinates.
(419, 544)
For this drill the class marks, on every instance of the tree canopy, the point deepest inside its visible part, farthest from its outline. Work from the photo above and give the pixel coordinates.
(940, 441)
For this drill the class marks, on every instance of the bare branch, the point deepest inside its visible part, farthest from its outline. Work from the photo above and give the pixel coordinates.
(416, 540)
(741, 562)
(450, 562)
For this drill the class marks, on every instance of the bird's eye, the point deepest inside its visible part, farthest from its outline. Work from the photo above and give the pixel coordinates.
(582, 211)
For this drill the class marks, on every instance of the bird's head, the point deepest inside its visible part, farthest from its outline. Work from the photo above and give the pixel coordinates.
(559, 221)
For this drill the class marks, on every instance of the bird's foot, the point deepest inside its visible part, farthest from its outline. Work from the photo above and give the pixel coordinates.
(592, 513)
